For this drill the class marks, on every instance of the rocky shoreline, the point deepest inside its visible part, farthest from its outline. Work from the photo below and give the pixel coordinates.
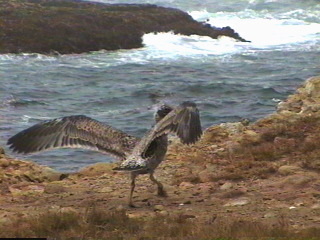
(266, 172)
(71, 26)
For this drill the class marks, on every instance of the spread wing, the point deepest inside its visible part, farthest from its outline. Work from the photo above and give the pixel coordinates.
(73, 132)
(184, 121)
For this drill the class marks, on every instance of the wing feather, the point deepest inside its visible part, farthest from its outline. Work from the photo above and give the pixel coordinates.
(184, 121)
(73, 132)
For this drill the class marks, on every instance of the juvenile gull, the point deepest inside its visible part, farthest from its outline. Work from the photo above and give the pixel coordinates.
(139, 156)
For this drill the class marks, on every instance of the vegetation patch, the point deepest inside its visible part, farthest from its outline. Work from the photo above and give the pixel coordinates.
(99, 224)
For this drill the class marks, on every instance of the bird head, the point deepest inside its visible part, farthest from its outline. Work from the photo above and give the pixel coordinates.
(162, 111)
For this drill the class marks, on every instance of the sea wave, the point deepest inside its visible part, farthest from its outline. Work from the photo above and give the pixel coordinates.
(266, 29)
(11, 101)
(297, 29)
(285, 31)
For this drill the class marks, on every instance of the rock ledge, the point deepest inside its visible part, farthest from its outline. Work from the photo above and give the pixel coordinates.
(71, 26)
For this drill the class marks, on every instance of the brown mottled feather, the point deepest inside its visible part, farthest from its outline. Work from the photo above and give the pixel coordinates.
(183, 120)
(73, 132)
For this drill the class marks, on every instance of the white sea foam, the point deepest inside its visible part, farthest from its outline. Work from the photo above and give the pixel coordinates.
(263, 29)
(170, 46)
(266, 30)
(169, 43)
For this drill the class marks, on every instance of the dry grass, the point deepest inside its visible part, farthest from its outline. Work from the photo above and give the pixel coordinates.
(296, 141)
(281, 141)
(99, 224)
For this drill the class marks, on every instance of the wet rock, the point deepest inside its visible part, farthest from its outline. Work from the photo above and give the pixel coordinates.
(288, 170)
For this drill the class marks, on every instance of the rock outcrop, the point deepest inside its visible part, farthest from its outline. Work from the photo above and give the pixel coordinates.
(71, 26)
(14, 172)
(287, 137)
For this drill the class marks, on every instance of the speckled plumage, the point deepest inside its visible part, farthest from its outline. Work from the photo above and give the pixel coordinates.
(139, 156)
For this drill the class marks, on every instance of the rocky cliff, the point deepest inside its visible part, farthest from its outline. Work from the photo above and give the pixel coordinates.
(71, 26)
(260, 178)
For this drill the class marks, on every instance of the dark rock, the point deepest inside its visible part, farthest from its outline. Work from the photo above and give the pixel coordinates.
(70, 26)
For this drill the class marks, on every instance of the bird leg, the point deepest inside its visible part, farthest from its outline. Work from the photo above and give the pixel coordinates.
(133, 184)
(161, 191)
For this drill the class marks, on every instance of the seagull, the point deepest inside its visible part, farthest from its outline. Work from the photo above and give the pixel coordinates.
(138, 156)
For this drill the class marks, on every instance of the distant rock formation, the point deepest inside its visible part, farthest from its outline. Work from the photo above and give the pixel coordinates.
(73, 26)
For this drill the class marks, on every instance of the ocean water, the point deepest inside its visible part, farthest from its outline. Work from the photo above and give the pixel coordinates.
(229, 80)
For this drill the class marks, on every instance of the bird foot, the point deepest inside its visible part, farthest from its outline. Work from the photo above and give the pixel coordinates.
(131, 205)
(162, 193)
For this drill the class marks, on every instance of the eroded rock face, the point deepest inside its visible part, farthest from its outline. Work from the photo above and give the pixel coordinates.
(305, 100)
(71, 26)
(13, 171)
